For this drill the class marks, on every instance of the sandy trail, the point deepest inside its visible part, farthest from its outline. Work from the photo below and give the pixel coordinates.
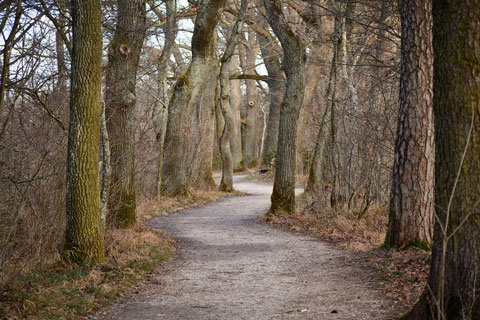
(229, 266)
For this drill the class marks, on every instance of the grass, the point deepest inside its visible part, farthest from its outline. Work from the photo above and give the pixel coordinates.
(60, 291)
(346, 230)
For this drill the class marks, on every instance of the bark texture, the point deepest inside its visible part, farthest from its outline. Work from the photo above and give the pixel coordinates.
(294, 56)
(411, 206)
(250, 106)
(120, 101)
(315, 174)
(276, 90)
(160, 110)
(178, 150)
(314, 74)
(454, 284)
(235, 103)
(84, 237)
(201, 170)
(226, 184)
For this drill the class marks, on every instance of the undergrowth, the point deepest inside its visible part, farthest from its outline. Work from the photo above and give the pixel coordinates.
(61, 291)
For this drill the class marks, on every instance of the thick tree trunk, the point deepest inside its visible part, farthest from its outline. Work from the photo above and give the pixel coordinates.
(276, 90)
(226, 184)
(454, 283)
(120, 101)
(235, 103)
(294, 56)
(411, 207)
(84, 233)
(202, 174)
(249, 135)
(178, 151)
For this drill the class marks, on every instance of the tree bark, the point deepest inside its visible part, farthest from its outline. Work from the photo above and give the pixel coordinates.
(454, 283)
(276, 90)
(235, 102)
(187, 92)
(315, 174)
(250, 108)
(411, 206)
(84, 235)
(314, 74)
(202, 172)
(160, 111)
(226, 184)
(294, 56)
(120, 101)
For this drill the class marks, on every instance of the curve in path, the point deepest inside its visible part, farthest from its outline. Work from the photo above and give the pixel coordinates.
(229, 266)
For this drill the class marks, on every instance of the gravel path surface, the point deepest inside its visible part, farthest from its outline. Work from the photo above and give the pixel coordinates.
(229, 266)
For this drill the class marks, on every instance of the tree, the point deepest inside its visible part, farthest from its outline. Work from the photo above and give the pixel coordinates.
(294, 56)
(160, 111)
(226, 184)
(84, 239)
(454, 284)
(120, 100)
(411, 205)
(186, 94)
(317, 165)
(276, 87)
(248, 57)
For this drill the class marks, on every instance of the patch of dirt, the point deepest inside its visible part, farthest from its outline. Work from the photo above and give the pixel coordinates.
(229, 266)
(401, 274)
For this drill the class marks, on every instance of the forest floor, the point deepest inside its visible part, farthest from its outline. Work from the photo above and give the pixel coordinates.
(228, 265)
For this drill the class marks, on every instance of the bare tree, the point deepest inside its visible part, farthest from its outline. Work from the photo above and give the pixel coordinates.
(84, 241)
(248, 56)
(411, 207)
(187, 92)
(454, 283)
(294, 56)
(276, 87)
(120, 101)
(160, 110)
(226, 184)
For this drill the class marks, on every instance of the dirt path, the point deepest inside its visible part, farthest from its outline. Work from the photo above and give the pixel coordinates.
(229, 266)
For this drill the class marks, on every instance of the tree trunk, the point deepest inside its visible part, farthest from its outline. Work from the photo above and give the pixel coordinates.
(226, 184)
(84, 235)
(235, 102)
(187, 92)
(315, 174)
(454, 283)
(105, 166)
(250, 139)
(294, 56)
(160, 111)
(314, 74)
(202, 175)
(120, 101)
(276, 90)
(411, 206)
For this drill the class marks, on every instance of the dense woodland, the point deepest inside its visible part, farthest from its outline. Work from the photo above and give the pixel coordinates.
(365, 104)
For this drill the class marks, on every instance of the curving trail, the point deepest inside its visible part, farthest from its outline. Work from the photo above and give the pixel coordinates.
(229, 266)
